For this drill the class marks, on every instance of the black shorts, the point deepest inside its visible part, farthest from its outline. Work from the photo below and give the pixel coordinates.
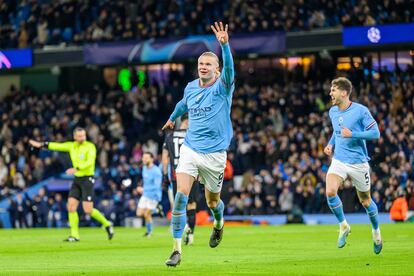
(192, 197)
(82, 188)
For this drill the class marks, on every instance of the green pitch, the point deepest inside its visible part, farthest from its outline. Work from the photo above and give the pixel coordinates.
(250, 250)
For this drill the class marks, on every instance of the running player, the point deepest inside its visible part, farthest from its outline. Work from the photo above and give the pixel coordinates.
(83, 155)
(352, 124)
(208, 103)
(151, 191)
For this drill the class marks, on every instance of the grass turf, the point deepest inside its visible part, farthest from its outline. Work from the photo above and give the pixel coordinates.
(286, 250)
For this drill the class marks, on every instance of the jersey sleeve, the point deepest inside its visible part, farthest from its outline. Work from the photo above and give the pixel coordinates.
(332, 140)
(370, 126)
(180, 107)
(227, 76)
(57, 146)
(367, 120)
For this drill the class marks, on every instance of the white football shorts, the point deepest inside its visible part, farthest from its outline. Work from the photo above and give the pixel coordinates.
(359, 173)
(147, 203)
(209, 167)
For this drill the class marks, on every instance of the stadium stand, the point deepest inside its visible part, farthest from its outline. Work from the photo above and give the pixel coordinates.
(37, 23)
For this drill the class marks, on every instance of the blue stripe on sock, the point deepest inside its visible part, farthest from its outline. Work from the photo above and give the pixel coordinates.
(179, 217)
(218, 211)
(372, 212)
(149, 227)
(335, 204)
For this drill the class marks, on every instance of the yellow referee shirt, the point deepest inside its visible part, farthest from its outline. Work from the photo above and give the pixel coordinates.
(83, 156)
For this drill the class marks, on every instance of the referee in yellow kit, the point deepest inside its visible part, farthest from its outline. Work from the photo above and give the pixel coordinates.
(83, 155)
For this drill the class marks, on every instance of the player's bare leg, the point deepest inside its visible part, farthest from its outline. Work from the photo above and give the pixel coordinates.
(372, 211)
(217, 208)
(178, 220)
(333, 182)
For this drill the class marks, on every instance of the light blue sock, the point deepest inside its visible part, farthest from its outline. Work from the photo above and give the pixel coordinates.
(179, 215)
(149, 227)
(372, 212)
(335, 204)
(218, 213)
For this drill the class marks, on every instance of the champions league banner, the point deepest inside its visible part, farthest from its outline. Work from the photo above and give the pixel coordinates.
(165, 50)
(10, 59)
(378, 35)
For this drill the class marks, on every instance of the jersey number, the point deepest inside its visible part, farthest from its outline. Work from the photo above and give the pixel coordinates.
(178, 141)
(220, 180)
(367, 178)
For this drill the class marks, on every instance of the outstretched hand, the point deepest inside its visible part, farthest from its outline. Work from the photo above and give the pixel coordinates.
(169, 124)
(35, 144)
(221, 32)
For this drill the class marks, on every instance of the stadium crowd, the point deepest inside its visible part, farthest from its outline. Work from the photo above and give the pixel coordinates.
(280, 130)
(39, 22)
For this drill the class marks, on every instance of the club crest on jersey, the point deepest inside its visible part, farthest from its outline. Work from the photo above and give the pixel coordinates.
(81, 156)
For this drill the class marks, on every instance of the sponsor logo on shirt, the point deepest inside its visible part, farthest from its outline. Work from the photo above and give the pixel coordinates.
(199, 111)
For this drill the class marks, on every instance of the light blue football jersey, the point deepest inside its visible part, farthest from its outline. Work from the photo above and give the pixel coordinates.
(359, 120)
(210, 129)
(152, 179)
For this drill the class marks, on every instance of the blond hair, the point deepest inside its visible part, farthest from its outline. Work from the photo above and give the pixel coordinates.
(211, 54)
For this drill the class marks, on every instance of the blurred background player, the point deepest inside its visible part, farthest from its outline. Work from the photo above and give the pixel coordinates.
(83, 155)
(170, 155)
(352, 124)
(208, 103)
(151, 191)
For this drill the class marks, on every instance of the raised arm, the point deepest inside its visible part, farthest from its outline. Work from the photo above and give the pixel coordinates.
(221, 33)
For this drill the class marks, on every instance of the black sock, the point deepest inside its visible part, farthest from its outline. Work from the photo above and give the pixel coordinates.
(191, 219)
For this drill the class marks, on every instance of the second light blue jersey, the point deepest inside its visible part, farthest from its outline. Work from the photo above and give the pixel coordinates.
(210, 129)
(152, 179)
(359, 120)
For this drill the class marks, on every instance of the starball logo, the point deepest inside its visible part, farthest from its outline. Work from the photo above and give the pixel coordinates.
(4, 61)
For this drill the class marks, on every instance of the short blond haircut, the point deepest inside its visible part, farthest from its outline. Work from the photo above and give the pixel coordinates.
(211, 54)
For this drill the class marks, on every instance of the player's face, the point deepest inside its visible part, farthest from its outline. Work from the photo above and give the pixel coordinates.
(207, 67)
(80, 136)
(337, 95)
(146, 159)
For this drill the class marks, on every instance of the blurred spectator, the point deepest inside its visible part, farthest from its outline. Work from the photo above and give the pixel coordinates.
(286, 200)
(57, 216)
(76, 22)
(399, 208)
